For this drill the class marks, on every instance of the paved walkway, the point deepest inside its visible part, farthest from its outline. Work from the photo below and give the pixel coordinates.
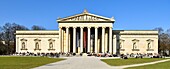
(77, 63)
(88, 63)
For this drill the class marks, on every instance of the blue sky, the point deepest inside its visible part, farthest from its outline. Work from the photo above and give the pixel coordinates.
(129, 14)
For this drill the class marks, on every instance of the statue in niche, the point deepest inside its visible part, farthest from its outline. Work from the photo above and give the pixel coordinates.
(23, 45)
(120, 45)
(36, 45)
(51, 45)
(134, 45)
(149, 45)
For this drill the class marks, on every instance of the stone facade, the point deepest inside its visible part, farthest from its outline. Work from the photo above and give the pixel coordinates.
(87, 33)
(133, 41)
(37, 41)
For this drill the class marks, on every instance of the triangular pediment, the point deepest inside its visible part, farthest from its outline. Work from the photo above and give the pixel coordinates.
(85, 17)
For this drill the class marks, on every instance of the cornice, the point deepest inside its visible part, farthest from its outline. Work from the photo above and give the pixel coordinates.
(136, 33)
(85, 21)
(36, 33)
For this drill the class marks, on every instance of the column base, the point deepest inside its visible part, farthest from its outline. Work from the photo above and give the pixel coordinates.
(79, 50)
(91, 51)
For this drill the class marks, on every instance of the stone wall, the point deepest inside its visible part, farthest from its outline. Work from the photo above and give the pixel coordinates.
(44, 38)
(124, 41)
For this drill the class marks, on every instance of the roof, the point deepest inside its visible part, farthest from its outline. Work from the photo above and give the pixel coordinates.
(37, 32)
(136, 32)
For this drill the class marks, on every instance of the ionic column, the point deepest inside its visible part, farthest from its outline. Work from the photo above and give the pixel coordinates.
(103, 43)
(74, 39)
(60, 37)
(69, 41)
(110, 39)
(106, 41)
(67, 37)
(96, 37)
(114, 44)
(62, 40)
(88, 50)
(81, 41)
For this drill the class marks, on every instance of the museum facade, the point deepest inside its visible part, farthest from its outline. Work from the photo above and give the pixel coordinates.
(87, 33)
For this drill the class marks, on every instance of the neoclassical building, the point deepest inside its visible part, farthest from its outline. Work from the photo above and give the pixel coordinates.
(87, 33)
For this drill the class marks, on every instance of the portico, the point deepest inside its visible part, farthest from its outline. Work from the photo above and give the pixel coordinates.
(86, 33)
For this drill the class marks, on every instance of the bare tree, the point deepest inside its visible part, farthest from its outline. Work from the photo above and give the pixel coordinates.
(168, 31)
(168, 46)
(35, 27)
(3, 49)
(159, 29)
(7, 32)
(164, 42)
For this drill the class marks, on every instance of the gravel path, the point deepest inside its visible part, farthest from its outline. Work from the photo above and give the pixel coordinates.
(88, 63)
(77, 63)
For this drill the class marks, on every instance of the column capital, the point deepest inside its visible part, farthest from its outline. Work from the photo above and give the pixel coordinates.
(81, 27)
(110, 27)
(88, 27)
(67, 27)
(103, 27)
(74, 27)
(60, 26)
(96, 27)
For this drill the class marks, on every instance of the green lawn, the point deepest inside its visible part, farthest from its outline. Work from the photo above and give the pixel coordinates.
(119, 62)
(25, 62)
(163, 65)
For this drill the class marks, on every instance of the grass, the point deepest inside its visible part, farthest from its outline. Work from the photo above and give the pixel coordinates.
(120, 62)
(25, 62)
(163, 65)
